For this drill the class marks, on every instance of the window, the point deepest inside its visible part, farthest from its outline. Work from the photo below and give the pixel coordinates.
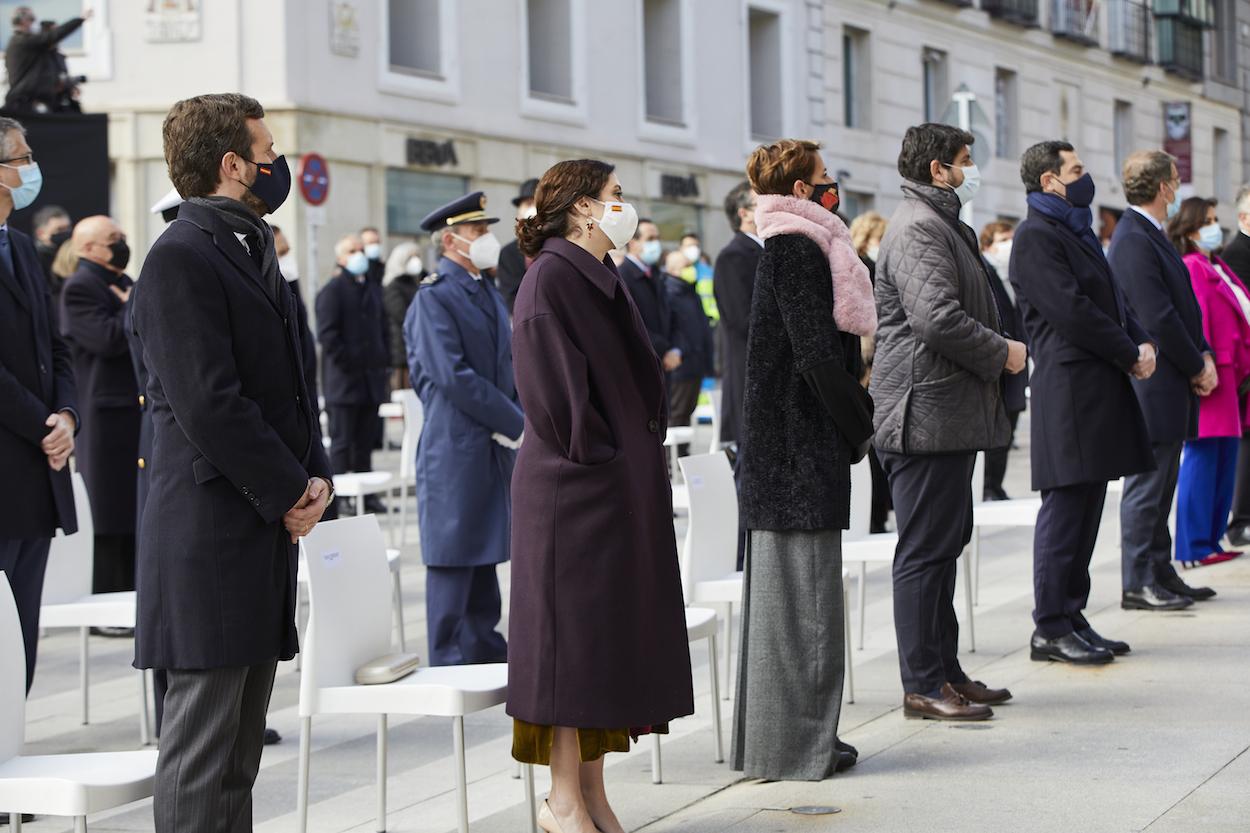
(1224, 41)
(1006, 114)
(53, 10)
(936, 91)
(856, 74)
(415, 46)
(675, 219)
(1223, 159)
(662, 61)
(1122, 128)
(410, 195)
(855, 203)
(550, 40)
(764, 51)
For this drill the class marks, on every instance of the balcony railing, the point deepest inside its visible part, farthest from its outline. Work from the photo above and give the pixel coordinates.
(1180, 47)
(1021, 12)
(1201, 12)
(1075, 20)
(1129, 23)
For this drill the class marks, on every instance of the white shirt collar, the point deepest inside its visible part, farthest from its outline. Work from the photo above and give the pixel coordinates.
(637, 262)
(243, 242)
(755, 237)
(1148, 216)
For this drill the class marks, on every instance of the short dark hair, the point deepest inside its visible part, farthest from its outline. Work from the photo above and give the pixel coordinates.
(1191, 217)
(46, 215)
(691, 233)
(1043, 157)
(638, 229)
(1145, 171)
(560, 188)
(199, 131)
(373, 229)
(275, 228)
(739, 197)
(925, 143)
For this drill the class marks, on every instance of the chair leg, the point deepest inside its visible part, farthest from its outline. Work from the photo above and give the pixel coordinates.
(846, 626)
(80, 825)
(972, 627)
(727, 689)
(657, 766)
(976, 565)
(861, 593)
(301, 622)
(403, 515)
(15, 822)
(462, 779)
(715, 677)
(145, 729)
(531, 798)
(381, 823)
(305, 749)
(517, 770)
(399, 608)
(360, 504)
(83, 636)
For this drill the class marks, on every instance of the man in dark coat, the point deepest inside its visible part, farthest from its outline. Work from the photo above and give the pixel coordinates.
(238, 469)
(733, 282)
(352, 329)
(1086, 423)
(645, 283)
(694, 339)
(512, 264)
(1155, 280)
(460, 360)
(996, 238)
(371, 240)
(1237, 255)
(93, 307)
(38, 416)
(31, 61)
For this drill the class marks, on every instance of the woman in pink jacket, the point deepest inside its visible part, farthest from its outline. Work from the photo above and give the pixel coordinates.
(1209, 464)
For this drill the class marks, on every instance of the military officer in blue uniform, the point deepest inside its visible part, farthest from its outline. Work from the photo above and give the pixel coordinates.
(459, 345)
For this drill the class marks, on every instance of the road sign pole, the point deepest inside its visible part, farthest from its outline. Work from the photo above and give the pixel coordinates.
(963, 101)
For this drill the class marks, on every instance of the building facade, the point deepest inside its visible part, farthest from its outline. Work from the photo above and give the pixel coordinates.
(415, 101)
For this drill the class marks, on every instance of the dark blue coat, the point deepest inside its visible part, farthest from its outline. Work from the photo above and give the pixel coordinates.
(36, 379)
(1086, 424)
(460, 359)
(142, 476)
(647, 290)
(692, 332)
(352, 329)
(93, 323)
(235, 441)
(1155, 280)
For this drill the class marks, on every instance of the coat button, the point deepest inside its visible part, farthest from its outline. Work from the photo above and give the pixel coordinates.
(142, 463)
(654, 426)
(43, 368)
(141, 400)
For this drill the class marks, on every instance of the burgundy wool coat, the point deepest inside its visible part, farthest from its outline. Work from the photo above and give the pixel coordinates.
(596, 631)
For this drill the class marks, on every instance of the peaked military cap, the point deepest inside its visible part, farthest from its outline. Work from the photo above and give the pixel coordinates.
(471, 208)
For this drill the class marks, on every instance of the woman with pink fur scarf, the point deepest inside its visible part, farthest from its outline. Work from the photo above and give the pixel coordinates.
(806, 419)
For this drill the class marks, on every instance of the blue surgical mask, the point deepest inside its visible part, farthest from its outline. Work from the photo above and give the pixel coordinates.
(373, 251)
(1211, 237)
(357, 264)
(28, 191)
(1174, 207)
(651, 251)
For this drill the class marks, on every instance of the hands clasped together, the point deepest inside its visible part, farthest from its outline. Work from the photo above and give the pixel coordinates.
(58, 443)
(303, 516)
(1206, 381)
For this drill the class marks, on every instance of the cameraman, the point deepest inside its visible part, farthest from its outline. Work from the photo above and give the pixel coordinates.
(34, 63)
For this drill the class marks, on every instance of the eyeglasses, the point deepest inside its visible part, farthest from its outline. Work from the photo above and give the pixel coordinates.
(25, 159)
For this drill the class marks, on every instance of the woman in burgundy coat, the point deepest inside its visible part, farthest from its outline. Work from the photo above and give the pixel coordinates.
(597, 637)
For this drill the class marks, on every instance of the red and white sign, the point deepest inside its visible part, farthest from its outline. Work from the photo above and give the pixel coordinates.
(313, 176)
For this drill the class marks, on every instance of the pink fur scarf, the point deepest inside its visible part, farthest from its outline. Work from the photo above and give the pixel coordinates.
(854, 309)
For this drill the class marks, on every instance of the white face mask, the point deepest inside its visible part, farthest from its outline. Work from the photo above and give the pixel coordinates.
(691, 253)
(289, 268)
(529, 211)
(414, 266)
(483, 251)
(1000, 256)
(619, 222)
(373, 251)
(873, 252)
(967, 190)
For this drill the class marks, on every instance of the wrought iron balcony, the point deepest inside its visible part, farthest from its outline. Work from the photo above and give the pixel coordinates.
(1021, 12)
(1180, 47)
(1200, 12)
(1075, 20)
(1129, 23)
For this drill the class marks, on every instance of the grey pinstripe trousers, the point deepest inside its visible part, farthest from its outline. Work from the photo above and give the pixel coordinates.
(211, 741)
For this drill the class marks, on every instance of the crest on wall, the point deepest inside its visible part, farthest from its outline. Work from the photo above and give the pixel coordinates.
(344, 29)
(172, 21)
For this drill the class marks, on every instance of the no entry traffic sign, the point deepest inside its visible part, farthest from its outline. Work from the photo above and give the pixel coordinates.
(314, 178)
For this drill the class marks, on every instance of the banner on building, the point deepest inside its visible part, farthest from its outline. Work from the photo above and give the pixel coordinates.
(1178, 136)
(172, 21)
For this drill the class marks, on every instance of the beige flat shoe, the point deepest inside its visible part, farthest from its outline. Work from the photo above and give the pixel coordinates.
(547, 819)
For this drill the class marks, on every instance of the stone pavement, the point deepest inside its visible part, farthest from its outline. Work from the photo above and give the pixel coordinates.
(1156, 741)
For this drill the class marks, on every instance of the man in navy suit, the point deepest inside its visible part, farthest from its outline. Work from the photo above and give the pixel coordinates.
(38, 416)
(1156, 282)
(642, 277)
(459, 346)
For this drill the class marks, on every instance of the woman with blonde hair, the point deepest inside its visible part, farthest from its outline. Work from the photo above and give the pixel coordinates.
(866, 232)
(806, 419)
(403, 275)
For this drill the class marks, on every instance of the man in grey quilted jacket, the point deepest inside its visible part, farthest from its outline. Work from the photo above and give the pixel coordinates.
(936, 386)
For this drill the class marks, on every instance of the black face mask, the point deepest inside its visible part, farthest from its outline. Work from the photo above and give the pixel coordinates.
(120, 252)
(57, 240)
(272, 183)
(825, 194)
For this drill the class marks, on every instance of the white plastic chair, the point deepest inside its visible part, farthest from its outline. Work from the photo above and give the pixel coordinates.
(397, 601)
(716, 395)
(68, 602)
(859, 546)
(348, 626)
(1018, 512)
(55, 785)
(414, 420)
(701, 623)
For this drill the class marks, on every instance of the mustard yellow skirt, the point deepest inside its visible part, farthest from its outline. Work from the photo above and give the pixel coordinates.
(531, 743)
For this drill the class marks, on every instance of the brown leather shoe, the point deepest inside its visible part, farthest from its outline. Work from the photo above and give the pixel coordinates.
(977, 692)
(952, 706)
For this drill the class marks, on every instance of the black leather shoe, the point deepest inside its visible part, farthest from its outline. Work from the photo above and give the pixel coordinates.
(1098, 641)
(845, 761)
(1067, 648)
(26, 818)
(1175, 585)
(1239, 536)
(1153, 597)
(843, 746)
(272, 737)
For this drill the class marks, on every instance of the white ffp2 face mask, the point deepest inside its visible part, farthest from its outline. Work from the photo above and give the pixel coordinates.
(619, 222)
(483, 251)
(967, 190)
